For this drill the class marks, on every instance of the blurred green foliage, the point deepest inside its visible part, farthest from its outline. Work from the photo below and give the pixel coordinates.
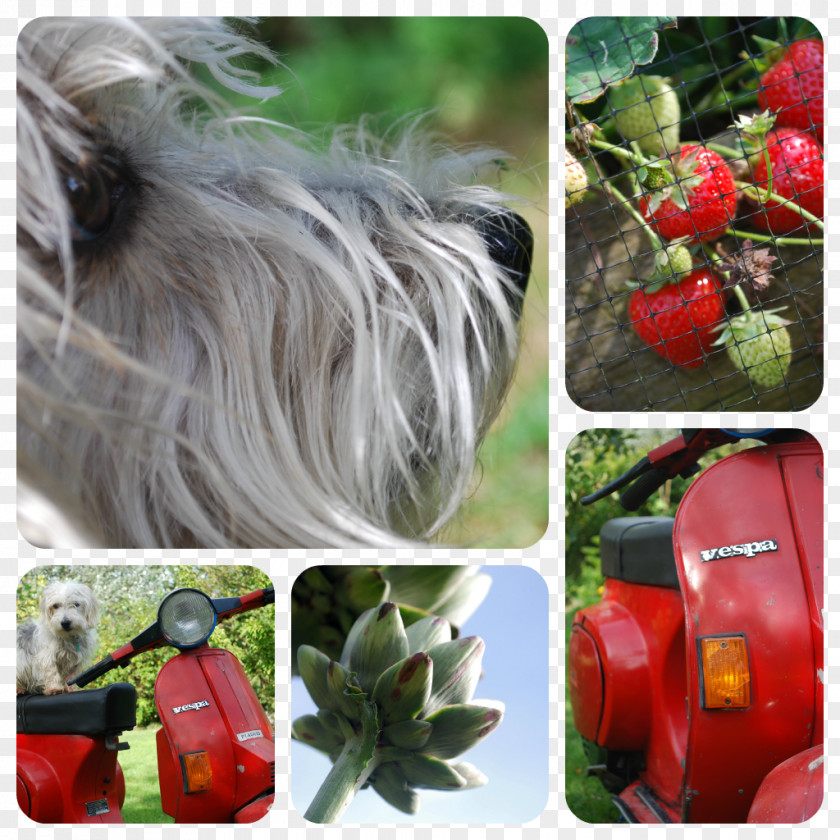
(487, 75)
(129, 597)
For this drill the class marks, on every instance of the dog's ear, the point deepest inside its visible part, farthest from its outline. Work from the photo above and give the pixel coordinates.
(47, 598)
(91, 607)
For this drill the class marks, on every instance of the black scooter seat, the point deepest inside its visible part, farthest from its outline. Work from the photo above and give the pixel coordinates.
(96, 711)
(640, 549)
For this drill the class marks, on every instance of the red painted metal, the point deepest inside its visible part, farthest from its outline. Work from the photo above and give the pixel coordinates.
(792, 792)
(205, 702)
(740, 501)
(68, 778)
(634, 675)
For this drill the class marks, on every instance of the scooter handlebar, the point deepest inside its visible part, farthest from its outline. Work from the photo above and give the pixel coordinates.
(94, 672)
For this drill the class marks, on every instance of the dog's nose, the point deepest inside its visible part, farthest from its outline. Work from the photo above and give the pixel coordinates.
(510, 243)
(66, 625)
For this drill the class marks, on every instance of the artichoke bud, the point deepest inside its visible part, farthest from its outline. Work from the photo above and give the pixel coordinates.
(428, 633)
(457, 669)
(313, 668)
(404, 689)
(424, 771)
(345, 693)
(310, 729)
(408, 734)
(375, 642)
(408, 692)
(456, 729)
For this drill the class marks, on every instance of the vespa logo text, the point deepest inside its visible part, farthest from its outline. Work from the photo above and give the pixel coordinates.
(176, 710)
(744, 549)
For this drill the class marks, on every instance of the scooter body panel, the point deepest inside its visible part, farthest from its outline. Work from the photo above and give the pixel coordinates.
(749, 550)
(206, 703)
(793, 791)
(96, 788)
(621, 676)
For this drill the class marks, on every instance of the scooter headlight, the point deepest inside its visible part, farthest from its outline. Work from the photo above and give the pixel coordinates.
(186, 618)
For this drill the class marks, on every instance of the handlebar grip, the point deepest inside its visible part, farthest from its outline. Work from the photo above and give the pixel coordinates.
(101, 667)
(644, 487)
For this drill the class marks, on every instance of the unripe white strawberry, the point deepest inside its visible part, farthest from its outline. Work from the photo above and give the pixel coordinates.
(759, 344)
(647, 110)
(576, 180)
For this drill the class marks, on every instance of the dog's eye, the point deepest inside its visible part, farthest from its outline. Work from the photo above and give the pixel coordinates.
(94, 192)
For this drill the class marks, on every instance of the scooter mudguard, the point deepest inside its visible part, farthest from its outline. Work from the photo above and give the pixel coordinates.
(211, 719)
(68, 779)
(748, 541)
(792, 792)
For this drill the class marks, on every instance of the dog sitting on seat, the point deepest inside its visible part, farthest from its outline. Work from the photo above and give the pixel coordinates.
(59, 645)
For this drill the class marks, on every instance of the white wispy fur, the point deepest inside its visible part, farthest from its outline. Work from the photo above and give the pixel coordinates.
(59, 645)
(272, 345)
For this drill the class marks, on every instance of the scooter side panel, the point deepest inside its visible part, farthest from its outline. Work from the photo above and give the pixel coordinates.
(734, 582)
(192, 721)
(69, 779)
(249, 728)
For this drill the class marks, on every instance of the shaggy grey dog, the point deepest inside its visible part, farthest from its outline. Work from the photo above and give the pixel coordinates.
(59, 645)
(227, 336)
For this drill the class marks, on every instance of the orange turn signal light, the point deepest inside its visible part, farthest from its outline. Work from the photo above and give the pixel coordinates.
(197, 774)
(726, 672)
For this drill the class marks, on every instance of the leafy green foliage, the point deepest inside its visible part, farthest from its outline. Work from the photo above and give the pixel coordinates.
(129, 597)
(603, 51)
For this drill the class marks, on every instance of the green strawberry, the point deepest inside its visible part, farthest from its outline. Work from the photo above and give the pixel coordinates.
(673, 260)
(576, 180)
(758, 344)
(647, 110)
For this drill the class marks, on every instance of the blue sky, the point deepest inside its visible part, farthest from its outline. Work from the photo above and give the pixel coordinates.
(513, 621)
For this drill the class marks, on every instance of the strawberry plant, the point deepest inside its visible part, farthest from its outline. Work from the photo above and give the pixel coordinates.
(699, 204)
(792, 88)
(796, 173)
(678, 320)
(687, 155)
(647, 110)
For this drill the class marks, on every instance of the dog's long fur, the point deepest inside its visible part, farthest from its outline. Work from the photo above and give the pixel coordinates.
(59, 645)
(227, 337)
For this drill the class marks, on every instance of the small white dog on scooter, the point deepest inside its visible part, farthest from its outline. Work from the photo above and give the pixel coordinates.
(60, 644)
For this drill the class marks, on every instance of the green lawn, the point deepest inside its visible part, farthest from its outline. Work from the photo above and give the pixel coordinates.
(139, 764)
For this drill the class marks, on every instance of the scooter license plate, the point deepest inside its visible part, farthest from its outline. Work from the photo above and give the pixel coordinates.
(97, 807)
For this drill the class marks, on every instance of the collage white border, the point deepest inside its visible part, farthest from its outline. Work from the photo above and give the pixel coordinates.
(566, 420)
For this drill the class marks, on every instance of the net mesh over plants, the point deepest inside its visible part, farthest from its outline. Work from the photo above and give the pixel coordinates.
(694, 206)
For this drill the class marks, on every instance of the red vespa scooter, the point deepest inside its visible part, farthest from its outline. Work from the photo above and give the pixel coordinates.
(697, 681)
(215, 748)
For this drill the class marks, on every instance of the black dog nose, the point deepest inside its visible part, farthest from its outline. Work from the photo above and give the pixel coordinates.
(510, 243)
(66, 625)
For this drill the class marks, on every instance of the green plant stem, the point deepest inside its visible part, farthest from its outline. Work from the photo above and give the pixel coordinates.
(350, 771)
(751, 190)
(779, 240)
(652, 235)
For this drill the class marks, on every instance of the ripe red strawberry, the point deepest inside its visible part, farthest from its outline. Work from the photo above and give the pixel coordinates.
(796, 163)
(700, 205)
(793, 87)
(678, 320)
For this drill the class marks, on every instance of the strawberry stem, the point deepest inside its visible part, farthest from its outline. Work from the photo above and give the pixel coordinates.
(655, 241)
(779, 240)
(752, 191)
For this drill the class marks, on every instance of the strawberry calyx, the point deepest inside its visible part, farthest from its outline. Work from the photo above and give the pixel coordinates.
(748, 325)
(681, 185)
(772, 52)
